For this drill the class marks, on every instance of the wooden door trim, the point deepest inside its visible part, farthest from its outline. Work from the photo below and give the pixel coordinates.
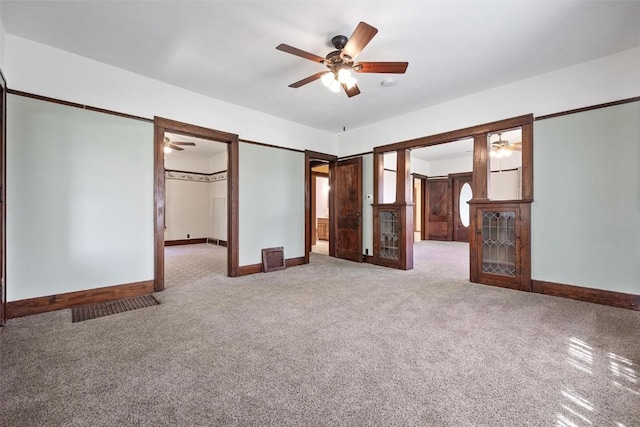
(423, 196)
(162, 125)
(314, 214)
(3, 198)
(455, 135)
(309, 156)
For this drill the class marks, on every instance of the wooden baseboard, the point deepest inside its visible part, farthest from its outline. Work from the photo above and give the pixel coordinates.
(185, 241)
(293, 262)
(245, 270)
(367, 258)
(37, 305)
(195, 241)
(216, 241)
(597, 296)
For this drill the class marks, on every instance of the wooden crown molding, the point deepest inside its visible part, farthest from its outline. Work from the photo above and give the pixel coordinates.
(592, 107)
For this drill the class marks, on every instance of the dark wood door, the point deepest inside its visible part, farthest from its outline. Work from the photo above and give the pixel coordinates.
(439, 209)
(460, 230)
(348, 210)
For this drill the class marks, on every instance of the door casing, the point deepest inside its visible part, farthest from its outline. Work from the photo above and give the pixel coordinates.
(3, 197)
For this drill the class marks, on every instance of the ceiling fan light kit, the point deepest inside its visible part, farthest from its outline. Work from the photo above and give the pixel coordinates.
(341, 61)
(502, 148)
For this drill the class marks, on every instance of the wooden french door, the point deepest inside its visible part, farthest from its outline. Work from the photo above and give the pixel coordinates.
(439, 209)
(460, 230)
(348, 210)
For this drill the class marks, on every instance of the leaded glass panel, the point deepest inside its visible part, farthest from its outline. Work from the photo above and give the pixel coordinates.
(499, 243)
(389, 235)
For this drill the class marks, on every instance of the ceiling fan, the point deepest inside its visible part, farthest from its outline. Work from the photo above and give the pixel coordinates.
(503, 148)
(169, 145)
(342, 61)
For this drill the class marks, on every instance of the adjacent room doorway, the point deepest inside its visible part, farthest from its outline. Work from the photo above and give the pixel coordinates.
(196, 204)
(319, 217)
(164, 127)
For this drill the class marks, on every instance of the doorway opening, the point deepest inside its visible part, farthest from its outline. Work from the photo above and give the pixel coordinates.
(319, 176)
(498, 196)
(196, 208)
(176, 197)
(442, 176)
(320, 217)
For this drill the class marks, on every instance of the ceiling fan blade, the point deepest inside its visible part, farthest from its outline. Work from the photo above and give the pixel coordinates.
(301, 53)
(309, 79)
(381, 67)
(351, 92)
(360, 38)
(192, 144)
(175, 147)
(514, 148)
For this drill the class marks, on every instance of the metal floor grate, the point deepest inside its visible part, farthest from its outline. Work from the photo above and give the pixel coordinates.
(88, 312)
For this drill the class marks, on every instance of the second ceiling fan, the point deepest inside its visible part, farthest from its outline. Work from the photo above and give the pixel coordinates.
(342, 61)
(173, 145)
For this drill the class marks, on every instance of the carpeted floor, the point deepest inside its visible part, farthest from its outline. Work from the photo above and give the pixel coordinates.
(329, 343)
(185, 264)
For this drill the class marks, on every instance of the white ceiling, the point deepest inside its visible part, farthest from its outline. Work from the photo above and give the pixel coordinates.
(450, 150)
(226, 49)
(203, 147)
(463, 147)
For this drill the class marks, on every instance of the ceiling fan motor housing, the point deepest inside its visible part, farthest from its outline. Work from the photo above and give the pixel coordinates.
(339, 42)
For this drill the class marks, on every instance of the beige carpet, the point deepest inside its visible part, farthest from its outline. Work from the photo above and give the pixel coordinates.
(184, 264)
(329, 343)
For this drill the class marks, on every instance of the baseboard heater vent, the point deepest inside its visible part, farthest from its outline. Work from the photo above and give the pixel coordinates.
(273, 259)
(79, 314)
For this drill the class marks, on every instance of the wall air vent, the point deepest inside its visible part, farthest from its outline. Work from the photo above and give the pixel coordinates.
(273, 259)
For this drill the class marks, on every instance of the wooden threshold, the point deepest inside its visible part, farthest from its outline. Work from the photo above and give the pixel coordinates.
(27, 307)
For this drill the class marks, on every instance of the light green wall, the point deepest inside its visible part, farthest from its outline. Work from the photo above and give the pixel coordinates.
(586, 214)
